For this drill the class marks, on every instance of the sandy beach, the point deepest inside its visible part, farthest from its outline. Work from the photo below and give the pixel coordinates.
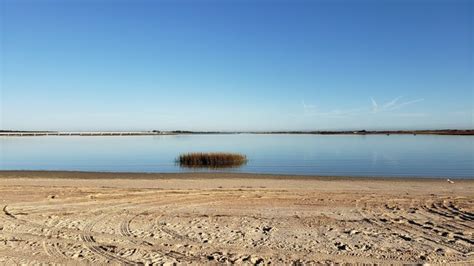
(125, 218)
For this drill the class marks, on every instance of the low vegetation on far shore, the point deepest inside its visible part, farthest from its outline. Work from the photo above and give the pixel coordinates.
(212, 160)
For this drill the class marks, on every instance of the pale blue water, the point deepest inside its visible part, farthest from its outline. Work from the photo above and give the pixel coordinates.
(341, 155)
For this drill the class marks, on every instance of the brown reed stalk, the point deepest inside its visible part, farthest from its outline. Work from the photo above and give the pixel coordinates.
(211, 160)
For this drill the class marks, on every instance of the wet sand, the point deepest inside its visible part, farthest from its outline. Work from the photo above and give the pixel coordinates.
(125, 218)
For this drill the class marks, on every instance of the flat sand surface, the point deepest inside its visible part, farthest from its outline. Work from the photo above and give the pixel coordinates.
(97, 218)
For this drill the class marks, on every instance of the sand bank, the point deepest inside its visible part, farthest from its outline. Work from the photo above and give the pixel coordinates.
(75, 217)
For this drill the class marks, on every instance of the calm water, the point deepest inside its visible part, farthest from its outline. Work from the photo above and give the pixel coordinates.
(372, 155)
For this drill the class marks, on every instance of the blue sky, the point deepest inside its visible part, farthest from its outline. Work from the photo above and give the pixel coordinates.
(236, 65)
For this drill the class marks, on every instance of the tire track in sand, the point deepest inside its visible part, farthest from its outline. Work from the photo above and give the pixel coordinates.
(94, 247)
(127, 232)
(52, 250)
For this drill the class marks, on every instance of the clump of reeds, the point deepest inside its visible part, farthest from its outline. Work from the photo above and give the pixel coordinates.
(211, 160)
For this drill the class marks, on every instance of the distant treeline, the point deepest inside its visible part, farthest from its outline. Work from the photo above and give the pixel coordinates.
(319, 132)
(335, 132)
(191, 132)
(378, 132)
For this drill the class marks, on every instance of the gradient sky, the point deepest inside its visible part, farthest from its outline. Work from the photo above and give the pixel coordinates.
(236, 65)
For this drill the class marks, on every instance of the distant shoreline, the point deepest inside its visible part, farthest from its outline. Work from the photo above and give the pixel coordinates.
(454, 132)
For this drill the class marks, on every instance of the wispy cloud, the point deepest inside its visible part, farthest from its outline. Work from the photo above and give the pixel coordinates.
(308, 106)
(376, 108)
(400, 105)
(392, 102)
(392, 105)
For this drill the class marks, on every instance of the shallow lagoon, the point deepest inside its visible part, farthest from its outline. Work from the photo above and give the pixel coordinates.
(340, 155)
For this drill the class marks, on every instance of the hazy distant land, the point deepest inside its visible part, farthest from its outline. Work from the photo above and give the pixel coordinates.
(183, 132)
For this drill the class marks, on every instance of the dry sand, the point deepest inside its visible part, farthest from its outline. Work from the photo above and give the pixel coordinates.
(70, 218)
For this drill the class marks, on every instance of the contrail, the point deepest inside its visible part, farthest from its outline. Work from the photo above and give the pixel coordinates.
(406, 103)
(392, 102)
(375, 106)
